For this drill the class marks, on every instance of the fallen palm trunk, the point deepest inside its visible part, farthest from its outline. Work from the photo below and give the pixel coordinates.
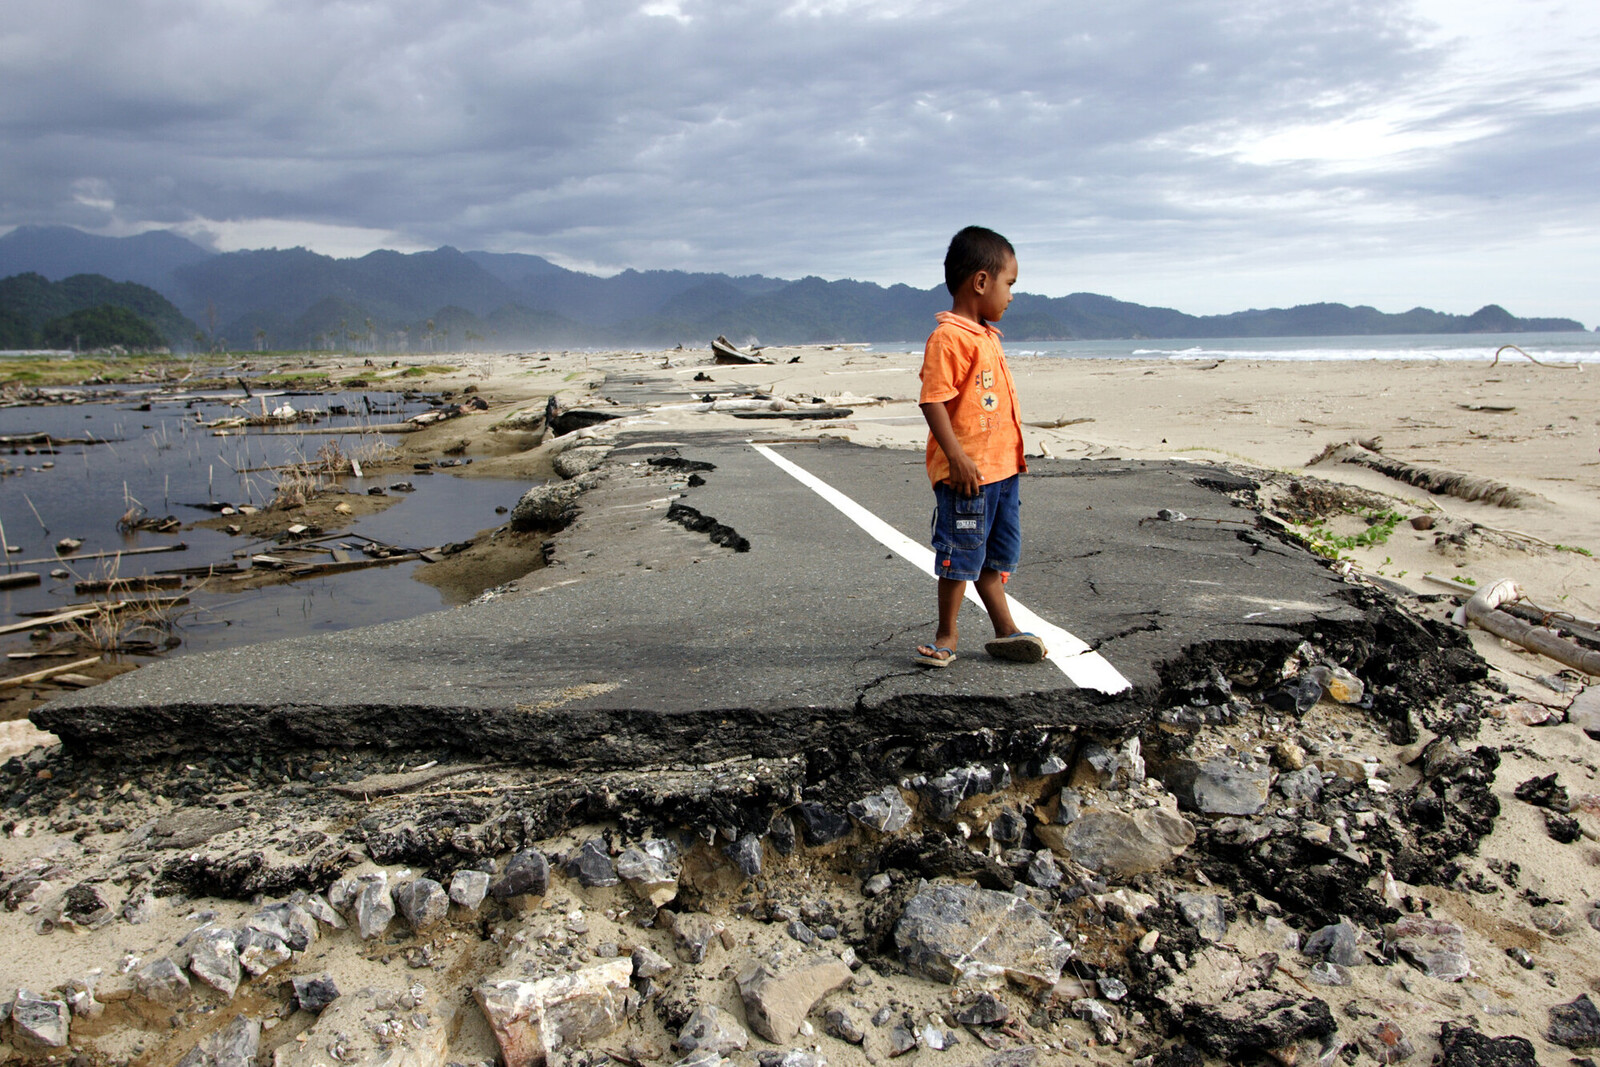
(1484, 610)
(1448, 483)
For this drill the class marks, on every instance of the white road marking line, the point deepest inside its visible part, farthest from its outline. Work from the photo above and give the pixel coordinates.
(1085, 667)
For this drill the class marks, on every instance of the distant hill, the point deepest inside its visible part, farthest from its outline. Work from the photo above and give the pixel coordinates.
(447, 299)
(60, 251)
(88, 311)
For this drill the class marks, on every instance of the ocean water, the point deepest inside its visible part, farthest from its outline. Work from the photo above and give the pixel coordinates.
(1544, 347)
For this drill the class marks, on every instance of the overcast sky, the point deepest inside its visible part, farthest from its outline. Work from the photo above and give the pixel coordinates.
(1208, 155)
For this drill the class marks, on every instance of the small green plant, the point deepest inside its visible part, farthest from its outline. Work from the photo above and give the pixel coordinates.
(1317, 537)
(1574, 548)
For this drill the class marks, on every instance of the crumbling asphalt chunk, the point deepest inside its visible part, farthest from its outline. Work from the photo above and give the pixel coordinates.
(1462, 1046)
(932, 854)
(1545, 792)
(720, 533)
(1261, 1020)
(1575, 1025)
(1446, 815)
(678, 463)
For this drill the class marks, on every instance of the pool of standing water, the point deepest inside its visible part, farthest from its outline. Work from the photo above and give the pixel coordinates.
(156, 453)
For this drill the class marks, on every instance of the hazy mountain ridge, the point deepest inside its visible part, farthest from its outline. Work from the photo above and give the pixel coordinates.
(452, 299)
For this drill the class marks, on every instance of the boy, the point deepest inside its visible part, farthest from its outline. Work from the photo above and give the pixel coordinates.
(974, 447)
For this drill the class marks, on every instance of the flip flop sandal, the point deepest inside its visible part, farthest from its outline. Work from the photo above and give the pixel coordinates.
(937, 660)
(1019, 647)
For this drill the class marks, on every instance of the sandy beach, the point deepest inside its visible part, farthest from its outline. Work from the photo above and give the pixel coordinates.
(1534, 429)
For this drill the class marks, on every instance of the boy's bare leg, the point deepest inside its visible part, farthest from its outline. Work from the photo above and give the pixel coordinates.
(950, 593)
(992, 591)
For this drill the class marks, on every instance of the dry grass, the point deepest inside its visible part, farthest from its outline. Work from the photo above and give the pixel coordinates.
(293, 487)
(374, 451)
(118, 625)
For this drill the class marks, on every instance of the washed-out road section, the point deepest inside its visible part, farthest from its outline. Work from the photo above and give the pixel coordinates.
(679, 649)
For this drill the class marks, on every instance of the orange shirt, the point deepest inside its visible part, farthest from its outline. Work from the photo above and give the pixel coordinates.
(964, 369)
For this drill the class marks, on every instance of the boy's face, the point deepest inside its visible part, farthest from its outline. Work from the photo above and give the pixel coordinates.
(994, 290)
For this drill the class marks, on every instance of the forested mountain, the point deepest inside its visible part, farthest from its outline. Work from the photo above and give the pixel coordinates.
(88, 311)
(447, 299)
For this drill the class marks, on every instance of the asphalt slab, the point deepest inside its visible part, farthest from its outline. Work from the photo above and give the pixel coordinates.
(708, 604)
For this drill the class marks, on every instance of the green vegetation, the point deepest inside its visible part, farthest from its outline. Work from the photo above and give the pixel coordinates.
(103, 327)
(36, 312)
(1320, 539)
(425, 370)
(1574, 548)
(45, 371)
(293, 377)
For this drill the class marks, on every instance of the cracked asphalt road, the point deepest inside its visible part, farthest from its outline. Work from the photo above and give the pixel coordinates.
(644, 640)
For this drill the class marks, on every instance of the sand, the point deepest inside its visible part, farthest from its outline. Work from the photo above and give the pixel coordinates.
(1534, 428)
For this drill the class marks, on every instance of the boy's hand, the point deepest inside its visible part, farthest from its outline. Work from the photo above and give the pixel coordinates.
(964, 476)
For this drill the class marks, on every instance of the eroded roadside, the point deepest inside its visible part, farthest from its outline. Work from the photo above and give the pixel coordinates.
(1312, 845)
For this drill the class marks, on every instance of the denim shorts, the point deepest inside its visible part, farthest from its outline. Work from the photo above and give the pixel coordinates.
(971, 533)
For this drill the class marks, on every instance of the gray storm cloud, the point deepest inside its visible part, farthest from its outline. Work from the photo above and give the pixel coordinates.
(832, 138)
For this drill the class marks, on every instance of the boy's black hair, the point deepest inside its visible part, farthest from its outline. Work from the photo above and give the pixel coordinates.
(973, 249)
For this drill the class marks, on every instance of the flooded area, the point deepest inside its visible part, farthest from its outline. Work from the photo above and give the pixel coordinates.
(87, 472)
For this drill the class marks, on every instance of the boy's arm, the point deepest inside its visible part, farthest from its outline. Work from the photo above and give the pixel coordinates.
(964, 476)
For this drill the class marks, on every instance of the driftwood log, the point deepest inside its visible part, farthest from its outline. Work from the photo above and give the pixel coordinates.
(48, 673)
(1484, 610)
(1434, 480)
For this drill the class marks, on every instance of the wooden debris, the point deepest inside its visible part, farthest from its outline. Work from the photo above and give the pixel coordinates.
(1484, 609)
(298, 569)
(1056, 424)
(48, 672)
(179, 547)
(76, 681)
(18, 579)
(53, 442)
(1449, 483)
(1559, 366)
(387, 427)
(143, 603)
(206, 571)
(383, 785)
(1583, 632)
(724, 351)
(58, 619)
(796, 413)
(138, 582)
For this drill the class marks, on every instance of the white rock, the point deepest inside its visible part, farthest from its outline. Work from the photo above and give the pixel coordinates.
(532, 1021)
(468, 888)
